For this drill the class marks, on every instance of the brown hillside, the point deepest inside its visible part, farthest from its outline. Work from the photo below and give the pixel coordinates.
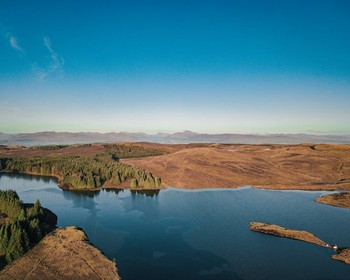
(310, 167)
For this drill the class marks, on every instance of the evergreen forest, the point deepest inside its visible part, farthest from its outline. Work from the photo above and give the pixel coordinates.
(81, 172)
(21, 226)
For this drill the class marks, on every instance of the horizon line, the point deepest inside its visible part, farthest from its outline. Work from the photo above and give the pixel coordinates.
(188, 131)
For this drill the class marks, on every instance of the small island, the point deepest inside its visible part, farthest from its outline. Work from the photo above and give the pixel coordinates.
(342, 254)
(287, 233)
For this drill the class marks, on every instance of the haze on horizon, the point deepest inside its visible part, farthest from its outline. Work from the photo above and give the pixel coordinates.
(167, 66)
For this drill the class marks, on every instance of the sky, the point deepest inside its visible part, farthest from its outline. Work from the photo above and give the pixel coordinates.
(239, 66)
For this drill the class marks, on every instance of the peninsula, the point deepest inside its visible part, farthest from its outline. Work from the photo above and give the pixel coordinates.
(342, 254)
(65, 253)
(336, 199)
(276, 230)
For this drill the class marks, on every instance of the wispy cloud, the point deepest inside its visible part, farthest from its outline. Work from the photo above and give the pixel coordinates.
(40, 73)
(57, 62)
(54, 66)
(10, 38)
(14, 44)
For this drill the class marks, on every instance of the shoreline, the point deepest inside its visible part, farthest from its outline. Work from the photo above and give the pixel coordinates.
(325, 187)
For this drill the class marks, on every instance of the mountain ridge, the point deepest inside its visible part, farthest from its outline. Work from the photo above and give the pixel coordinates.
(184, 137)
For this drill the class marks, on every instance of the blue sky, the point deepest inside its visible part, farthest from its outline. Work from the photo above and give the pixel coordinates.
(166, 66)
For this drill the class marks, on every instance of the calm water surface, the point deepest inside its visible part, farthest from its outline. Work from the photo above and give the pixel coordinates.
(176, 234)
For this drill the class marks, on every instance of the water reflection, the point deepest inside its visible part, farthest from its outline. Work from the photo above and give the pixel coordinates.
(82, 199)
(72, 194)
(116, 191)
(16, 175)
(150, 193)
(146, 203)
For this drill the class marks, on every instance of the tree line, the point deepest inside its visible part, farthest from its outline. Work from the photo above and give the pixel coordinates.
(84, 172)
(131, 151)
(117, 149)
(50, 147)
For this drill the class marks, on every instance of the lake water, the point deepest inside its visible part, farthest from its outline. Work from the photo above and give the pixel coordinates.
(177, 234)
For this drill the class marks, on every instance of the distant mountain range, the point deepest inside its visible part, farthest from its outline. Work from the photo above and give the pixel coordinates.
(51, 137)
